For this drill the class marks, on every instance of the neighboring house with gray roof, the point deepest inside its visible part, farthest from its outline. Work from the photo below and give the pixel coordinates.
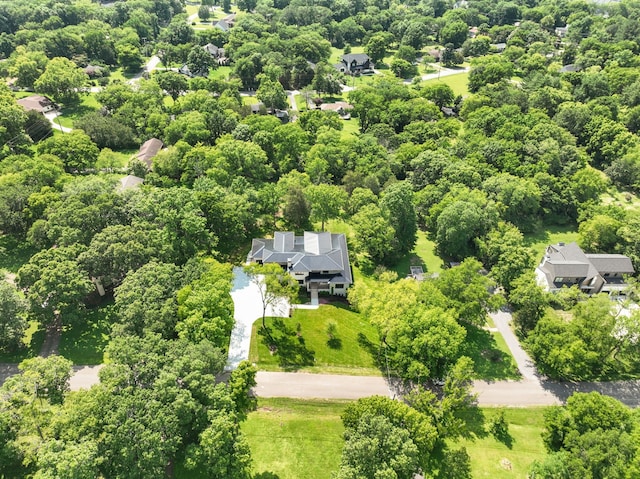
(316, 260)
(355, 63)
(567, 265)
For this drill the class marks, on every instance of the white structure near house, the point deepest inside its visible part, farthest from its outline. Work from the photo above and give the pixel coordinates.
(318, 261)
(567, 265)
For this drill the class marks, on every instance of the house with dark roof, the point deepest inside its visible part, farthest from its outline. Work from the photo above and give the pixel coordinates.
(148, 150)
(355, 63)
(38, 103)
(567, 265)
(318, 261)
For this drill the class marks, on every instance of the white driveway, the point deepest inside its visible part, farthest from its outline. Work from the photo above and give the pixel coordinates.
(247, 305)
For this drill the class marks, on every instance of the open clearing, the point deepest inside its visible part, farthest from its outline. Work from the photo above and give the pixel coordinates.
(290, 439)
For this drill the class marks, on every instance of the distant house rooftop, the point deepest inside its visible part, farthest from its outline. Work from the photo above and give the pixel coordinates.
(130, 182)
(37, 103)
(148, 150)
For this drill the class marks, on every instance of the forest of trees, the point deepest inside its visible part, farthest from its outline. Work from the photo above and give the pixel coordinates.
(530, 146)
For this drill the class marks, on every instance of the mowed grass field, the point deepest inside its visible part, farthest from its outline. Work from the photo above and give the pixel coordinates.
(292, 439)
(306, 345)
(458, 82)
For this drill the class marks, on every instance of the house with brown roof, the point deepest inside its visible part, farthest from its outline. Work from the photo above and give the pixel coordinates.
(342, 108)
(567, 265)
(38, 103)
(149, 150)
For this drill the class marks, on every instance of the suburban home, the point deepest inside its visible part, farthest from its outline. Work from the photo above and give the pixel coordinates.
(148, 150)
(355, 63)
(318, 261)
(217, 53)
(342, 108)
(567, 265)
(38, 103)
(226, 23)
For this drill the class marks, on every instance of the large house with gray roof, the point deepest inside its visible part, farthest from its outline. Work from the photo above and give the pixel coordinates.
(567, 265)
(318, 261)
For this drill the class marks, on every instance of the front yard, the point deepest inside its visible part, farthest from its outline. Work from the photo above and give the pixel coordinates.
(303, 342)
(304, 439)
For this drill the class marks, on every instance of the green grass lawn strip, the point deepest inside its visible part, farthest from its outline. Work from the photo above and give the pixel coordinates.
(458, 82)
(344, 355)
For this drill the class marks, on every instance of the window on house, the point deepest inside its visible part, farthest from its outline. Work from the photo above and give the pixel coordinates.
(338, 286)
(301, 281)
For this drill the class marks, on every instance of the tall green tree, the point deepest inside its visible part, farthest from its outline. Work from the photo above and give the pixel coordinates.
(62, 80)
(13, 317)
(327, 201)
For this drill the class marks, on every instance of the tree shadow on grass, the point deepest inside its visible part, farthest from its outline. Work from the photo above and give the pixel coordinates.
(288, 345)
(335, 343)
(490, 362)
(266, 475)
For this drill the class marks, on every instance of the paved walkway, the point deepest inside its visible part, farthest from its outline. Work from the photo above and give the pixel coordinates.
(247, 304)
(525, 364)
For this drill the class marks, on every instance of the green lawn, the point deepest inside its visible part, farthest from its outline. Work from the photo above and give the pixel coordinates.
(71, 113)
(458, 83)
(249, 100)
(84, 343)
(33, 339)
(539, 240)
(304, 344)
(294, 439)
(291, 439)
(423, 254)
(220, 73)
(488, 454)
(492, 360)
(350, 128)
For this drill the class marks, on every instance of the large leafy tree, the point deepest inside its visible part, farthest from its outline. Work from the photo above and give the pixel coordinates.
(76, 150)
(62, 80)
(397, 200)
(13, 319)
(146, 300)
(377, 448)
(469, 291)
(326, 201)
(55, 284)
(591, 436)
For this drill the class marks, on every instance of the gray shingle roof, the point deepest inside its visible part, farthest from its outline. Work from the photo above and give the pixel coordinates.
(312, 253)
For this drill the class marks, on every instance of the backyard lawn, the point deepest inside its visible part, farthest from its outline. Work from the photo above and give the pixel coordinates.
(493, 459)
(84, 343)
(290, 439)
(71, 113)
(423, 254)
(303, 342)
